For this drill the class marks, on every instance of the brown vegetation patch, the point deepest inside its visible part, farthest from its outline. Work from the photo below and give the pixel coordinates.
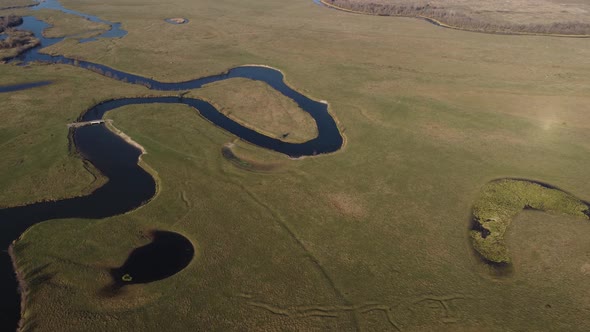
(16, 43)
(9, 21)
(481, 17)
(177, 20)
(441, 132)
(347, 204)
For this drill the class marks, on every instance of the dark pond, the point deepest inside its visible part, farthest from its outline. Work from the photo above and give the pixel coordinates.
(167, 254)
(130, 186)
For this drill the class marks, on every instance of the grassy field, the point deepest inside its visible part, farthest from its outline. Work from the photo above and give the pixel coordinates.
(373, 234)
(265, 109)
(69, 25)
(502, 200)
(37, 162)
(15, 3)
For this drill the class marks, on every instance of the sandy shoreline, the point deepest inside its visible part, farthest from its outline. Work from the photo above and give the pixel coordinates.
(23, 288)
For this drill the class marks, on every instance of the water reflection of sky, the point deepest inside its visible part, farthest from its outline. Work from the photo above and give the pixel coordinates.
(115, 31)
(2, 37)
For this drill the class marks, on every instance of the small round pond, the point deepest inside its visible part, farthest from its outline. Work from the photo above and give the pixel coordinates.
(177, 20)
(166, 255)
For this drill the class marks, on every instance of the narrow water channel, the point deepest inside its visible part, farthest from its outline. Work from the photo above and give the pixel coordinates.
(129, 185)
(115, 30)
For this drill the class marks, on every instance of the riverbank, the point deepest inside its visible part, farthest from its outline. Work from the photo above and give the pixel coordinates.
(23, 288)
(37, 162)
(125, 137)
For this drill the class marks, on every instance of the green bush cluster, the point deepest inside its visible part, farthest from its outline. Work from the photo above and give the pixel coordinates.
(500, 201)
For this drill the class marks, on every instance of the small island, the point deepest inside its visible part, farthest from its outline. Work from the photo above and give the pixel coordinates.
(12, 41)
(176, 20)
(7, 22)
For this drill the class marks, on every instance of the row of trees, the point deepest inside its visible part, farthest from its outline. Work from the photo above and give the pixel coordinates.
(457, 19)
(9, 21)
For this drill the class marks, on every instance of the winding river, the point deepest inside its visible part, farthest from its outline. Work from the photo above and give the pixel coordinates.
(129, 185)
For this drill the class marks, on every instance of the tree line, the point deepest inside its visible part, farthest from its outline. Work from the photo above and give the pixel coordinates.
(460, 20)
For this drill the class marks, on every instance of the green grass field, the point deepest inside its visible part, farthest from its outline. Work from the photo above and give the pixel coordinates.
(257, 105)
(373, 234)
(502, 200)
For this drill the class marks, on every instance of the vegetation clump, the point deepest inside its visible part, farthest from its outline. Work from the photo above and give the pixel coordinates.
(9, 22)
(500, 201)
(176, 20)
(17, 43)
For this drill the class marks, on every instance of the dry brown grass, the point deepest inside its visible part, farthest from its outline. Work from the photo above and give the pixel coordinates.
(522, 16)
(9, 21)
(349, 205)
(16, 43)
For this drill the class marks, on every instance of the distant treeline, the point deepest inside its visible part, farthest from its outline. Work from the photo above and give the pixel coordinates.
(9, 21)
(459, 20)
